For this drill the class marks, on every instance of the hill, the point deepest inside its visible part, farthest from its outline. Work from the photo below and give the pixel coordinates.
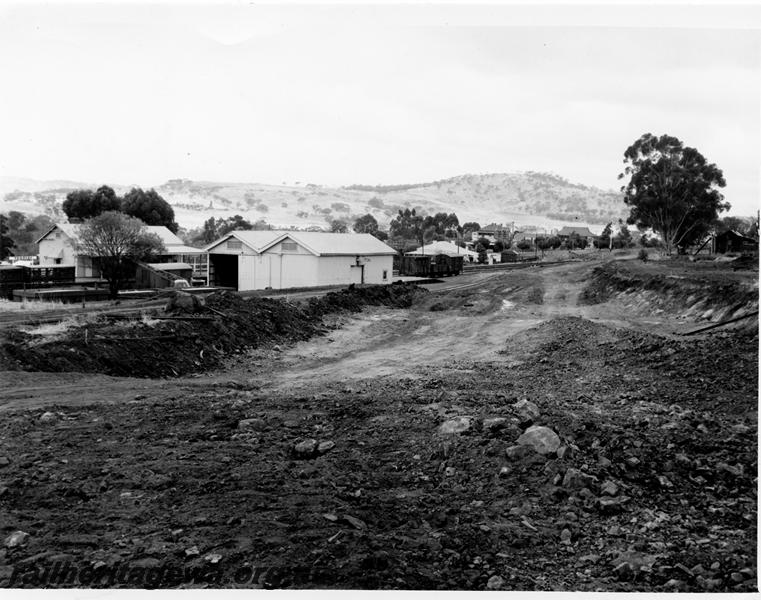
(527, 199)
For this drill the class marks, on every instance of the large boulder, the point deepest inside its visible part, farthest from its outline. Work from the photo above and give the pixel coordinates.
(542, 439)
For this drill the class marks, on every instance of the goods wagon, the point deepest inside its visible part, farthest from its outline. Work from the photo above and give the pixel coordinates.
(439, 265)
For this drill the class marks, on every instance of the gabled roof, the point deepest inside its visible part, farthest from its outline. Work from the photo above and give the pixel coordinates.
(493, 227)
(318, 243)
(580, 231)
(731, 233)
(172, 243)
(442, 247)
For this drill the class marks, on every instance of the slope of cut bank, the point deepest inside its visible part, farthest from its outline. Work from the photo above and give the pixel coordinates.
(198, 338)
(697, 292)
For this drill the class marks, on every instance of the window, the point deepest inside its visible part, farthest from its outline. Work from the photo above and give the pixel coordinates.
(385, 274)
(290, 246)
(234, 245)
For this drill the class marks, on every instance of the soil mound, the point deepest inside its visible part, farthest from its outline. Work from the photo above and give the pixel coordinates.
(200, 338)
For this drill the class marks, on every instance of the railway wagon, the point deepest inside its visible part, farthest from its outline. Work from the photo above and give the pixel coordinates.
(25, 277)
(438, 265)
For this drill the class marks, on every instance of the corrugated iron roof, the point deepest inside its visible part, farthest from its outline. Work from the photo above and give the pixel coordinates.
(581, 231)
(172, 243)
(442, 247)
(319, 243)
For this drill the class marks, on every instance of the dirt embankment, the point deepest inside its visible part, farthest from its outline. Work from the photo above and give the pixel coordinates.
(152, 347)
(696, 294)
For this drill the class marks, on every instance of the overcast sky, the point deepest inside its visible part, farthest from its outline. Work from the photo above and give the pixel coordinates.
(363, 94)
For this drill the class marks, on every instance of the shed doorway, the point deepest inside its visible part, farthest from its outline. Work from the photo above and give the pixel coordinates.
(223, 270)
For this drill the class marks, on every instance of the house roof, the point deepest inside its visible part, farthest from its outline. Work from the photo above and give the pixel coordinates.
(731, 233)
(442, 247)
(580, 231)
(170, 266)
(493, 227)
(172, 243)
(319, 243)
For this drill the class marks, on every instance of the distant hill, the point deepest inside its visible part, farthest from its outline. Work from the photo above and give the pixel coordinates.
(527, 199)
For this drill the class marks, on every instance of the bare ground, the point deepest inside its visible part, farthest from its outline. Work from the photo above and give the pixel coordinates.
(655, 489)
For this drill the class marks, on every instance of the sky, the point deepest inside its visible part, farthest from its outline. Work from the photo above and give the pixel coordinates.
(357, 93)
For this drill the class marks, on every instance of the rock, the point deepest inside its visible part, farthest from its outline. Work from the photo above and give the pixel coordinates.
(565, 536)
(355, 522)
(183, 302)
(562, 451)
(632, 461)
(252, 424)
(456, 425)
(16, 539)
(324, 447)
(519, 452)
(604, 462)
(623, 570)
(576, 480)
(527, 411)
(48, 417)
(276, 348)
(608, 488)
(505, 471)
(305, 449)
(213, 558)
(610, 505)
(494, 424)
(192, 551)
(737, 577)
(495, 583)
(450, 472)
(4, 461)
(542, 439)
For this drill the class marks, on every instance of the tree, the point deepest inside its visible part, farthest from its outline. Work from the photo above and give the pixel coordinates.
(85, 204)
(6, 243)
(482, 256)
(469, 228)
(366, 224)
(746, 226)
(225, 226)
(499, 246)
(672, 189)
(116, 241)
(25, 229)
(604, 240)
(337, 226)
(407, 224)
(150, 208)
(210, 230)
(623, 238)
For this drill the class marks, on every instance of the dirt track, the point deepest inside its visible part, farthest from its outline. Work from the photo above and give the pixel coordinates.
(159, 472)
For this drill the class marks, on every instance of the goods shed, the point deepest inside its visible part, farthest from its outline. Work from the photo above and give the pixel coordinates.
(258, 260)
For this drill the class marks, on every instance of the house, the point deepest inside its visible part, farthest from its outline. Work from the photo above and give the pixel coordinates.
(493, 232)
(258, 260)
(447, 248)
(582, 232)
(58, 246)
(731, 241)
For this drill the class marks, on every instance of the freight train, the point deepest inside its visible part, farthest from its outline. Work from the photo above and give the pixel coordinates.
(437, 265)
